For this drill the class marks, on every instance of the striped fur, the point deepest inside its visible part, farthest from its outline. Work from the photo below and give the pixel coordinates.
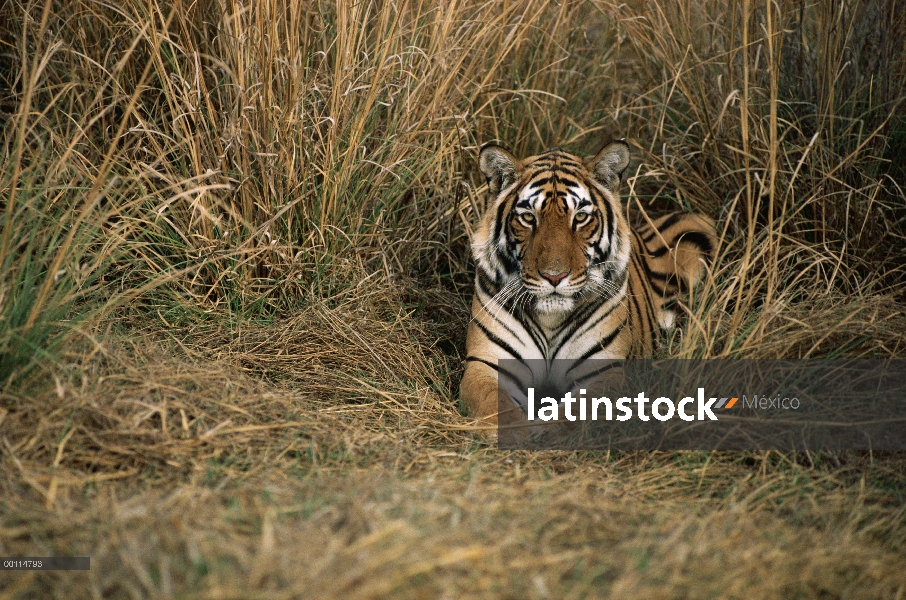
(561, 275)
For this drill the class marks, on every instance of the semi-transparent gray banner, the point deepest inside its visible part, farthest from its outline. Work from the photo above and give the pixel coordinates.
(703, 404)
(45, 563)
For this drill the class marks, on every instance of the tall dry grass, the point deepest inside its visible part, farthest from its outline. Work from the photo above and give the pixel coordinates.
(783, 120)
(262, 152)
(273, 138)
(234, 267)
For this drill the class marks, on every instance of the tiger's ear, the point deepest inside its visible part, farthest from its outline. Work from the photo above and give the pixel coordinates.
(609, 164)
(498, 166)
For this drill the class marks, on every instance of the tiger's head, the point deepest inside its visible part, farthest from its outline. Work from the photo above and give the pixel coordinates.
(556, 229)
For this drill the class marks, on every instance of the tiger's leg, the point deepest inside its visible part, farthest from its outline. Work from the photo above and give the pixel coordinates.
(478, 391)
(491, 405)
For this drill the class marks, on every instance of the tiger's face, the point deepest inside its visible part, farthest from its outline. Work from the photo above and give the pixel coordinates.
(556, 230)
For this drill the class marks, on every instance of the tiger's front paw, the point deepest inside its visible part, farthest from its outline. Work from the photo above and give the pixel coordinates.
(485, 429)
(512, 427)
(506, 426)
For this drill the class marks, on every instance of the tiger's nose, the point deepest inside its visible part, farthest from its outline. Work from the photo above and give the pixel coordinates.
(554, 278)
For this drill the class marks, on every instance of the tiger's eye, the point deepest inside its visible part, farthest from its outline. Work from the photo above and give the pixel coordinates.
(581, 217)
(528, 218)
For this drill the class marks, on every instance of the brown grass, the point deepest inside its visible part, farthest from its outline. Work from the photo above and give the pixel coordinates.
(234, 284)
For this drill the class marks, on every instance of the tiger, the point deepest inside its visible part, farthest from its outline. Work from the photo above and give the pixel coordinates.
(560, 274)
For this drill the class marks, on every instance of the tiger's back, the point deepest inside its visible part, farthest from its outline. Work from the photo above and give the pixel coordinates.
(561, 275)
(669, 256)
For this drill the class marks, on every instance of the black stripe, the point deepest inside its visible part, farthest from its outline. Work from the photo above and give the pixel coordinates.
(616, 364)
(602, 345)
(699, 239)
(498, 225)
(485, 284)
(652, 321)
(635, 314)
(610, 221)
(498, 321)
(661, 227)
(534, 330)
(595, 232)
(669, 279)
(599, 257)
(671, 282)
(648, 277)
(481, 360)
(510, 265)
(491, 297)
(599, 319)
(499, 342)
(577, 320)
(497, 368)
